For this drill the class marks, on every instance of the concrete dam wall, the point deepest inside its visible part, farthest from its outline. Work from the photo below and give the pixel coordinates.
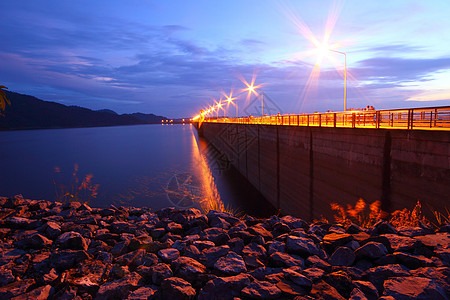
(301, 170)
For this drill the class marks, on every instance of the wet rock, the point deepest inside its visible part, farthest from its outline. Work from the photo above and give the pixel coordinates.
(342, 256)
(323, 290)
(301, 246)
(118, 289)
(226, 288)
(144, 292)
(187, 268)
(413, 288)
(231, 264)
(175, 288)
(71, 240)
(168, 255)
(371, 250)
(261, 290)
(279, 259)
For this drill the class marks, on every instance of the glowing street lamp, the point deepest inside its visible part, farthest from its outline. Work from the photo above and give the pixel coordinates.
(230, 101)
(322, 49)
(253, 89)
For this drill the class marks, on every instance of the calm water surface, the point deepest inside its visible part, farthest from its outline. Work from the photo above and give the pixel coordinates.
(147, 165)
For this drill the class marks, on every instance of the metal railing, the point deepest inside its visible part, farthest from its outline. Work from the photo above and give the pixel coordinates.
(430, 118)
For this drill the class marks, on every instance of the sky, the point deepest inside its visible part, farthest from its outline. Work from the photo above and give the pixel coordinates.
(175, 57)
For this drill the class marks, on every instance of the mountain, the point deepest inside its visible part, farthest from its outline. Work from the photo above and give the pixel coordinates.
(28, 112)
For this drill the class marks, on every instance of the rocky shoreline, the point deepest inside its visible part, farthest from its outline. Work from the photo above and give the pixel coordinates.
(72, 251)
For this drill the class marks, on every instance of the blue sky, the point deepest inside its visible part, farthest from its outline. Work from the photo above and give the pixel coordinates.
(173, 57)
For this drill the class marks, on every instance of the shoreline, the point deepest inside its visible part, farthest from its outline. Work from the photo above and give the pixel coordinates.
(63, 251)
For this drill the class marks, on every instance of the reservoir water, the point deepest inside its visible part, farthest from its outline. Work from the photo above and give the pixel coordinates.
(154, 166)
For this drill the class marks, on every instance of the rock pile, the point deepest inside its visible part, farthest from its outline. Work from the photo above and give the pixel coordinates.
(66, 251)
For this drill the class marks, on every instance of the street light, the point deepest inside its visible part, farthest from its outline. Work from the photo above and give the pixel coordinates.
(251, 88)
(345, 77)
(230, 101)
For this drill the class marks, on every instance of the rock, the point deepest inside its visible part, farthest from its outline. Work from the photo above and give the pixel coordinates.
(276, 246)
(371, 250)
(168, 255)
(52, 230)
(19, 223)
(333, 240)
(261, 290)
(342, 256)
(118, 289)
(441, 240)
(367, 288)
(211, 255)
(357, 294)
(231, 264)
(123, 227)
(67, 259)
(41, 293)
(187, 268)
(258, 230)
(279, 259)
(202, 245)
(218, 236)
(15, 288)
(413, 288)
(323, 290)
(301, 246)
(402, 243)
(192, 252)
(175, 288)
(313, 273)
(252, 262)
(378, 275)
(293, 222)
(71, 240)
(438, 275)
(6, 276)
(341, 281)
(50, 276)
(236, 245)
(412, 261)
(34, 241)
(253, 249)
(159, 272)
(144, 292)
(383, 227)
(226, 288)
(297, 278)
(317, 262)
(120, 248)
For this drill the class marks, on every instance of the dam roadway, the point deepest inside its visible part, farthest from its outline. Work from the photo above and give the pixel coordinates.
(302, 163)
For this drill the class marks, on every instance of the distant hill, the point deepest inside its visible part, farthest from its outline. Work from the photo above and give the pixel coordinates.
(28, 112)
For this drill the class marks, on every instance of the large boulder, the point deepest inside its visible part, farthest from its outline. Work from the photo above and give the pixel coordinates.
(403, 288)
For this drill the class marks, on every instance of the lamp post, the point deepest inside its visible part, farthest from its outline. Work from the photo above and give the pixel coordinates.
(345, 77)
(230, 100)
(252, 89)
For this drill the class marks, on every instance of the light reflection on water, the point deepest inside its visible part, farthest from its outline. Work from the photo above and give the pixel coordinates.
(148, 165)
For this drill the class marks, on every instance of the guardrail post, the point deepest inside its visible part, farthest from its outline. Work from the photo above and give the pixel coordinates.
(378, 119)
(353, 120)
(334, 119)
(320, 120)
(307, 120)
